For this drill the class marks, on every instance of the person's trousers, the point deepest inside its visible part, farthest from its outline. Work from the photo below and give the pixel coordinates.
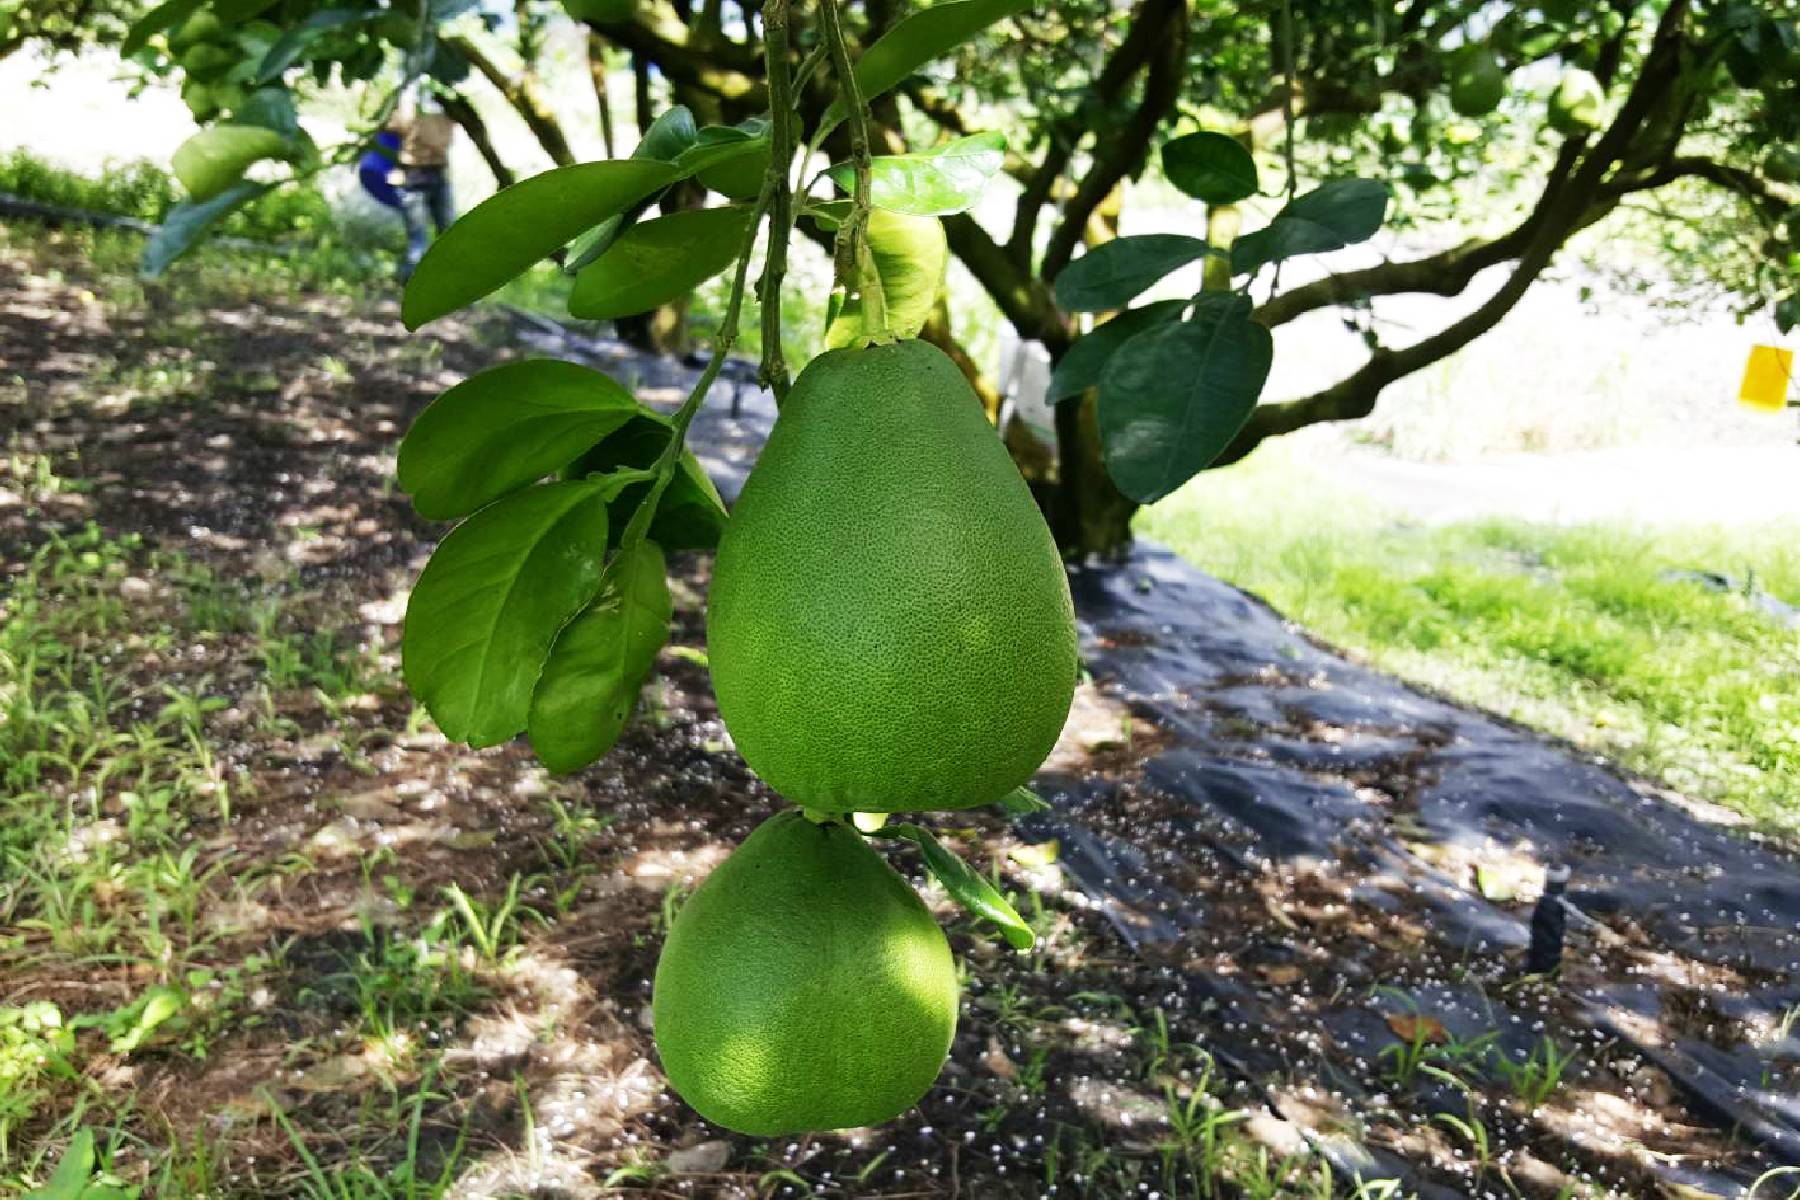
(425, 196)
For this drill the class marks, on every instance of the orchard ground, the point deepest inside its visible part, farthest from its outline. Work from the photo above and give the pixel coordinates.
(267, 934)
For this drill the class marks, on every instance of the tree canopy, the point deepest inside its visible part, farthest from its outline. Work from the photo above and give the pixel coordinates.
(1500, 130)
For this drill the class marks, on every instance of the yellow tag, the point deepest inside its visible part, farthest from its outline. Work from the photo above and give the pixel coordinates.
(1767, 377)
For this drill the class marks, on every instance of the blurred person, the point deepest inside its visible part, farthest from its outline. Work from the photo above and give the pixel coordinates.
(422, 177)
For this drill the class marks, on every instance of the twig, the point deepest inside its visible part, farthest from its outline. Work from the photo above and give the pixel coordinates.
(773, 373)
(665, 465)
(855, 263)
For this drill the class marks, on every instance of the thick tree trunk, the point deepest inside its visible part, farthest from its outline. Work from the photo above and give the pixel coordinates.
(1088, 515)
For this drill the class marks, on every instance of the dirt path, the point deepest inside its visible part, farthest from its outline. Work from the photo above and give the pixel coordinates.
(1281, 899)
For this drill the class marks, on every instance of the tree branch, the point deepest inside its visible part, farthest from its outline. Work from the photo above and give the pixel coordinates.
(1064, 135)
(458, 108)
(596, 54)
(1023, 297)
(523, 95)
(1124, 151)
(1567, 205)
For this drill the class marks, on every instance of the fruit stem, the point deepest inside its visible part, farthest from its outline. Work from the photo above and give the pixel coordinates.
(855, 265)
(773, 373)
(664, 466)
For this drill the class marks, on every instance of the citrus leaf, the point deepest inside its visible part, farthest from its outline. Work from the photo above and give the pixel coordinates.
(270, 108)
(936, 183)
(520, 225)
(1022, 801)
(1330, 217)
(1174, 396)
(690, 515)
(236, 12)
(163, 17)
(673, 131)
(910, 255)
(294, 41)
(592, 678)
(927, 34)
(670, 136)
(732, 159)
(1112, 274)
(504, 428)
(489, 604)
(965, 886)
(658, 261)
(1084, 363)
(187, 221)
(1210, 167)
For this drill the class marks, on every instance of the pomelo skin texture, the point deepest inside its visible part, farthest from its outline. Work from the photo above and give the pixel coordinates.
(889, 623)
(804, 986)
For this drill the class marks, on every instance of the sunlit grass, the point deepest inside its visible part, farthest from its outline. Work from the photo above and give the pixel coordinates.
(1582, 631)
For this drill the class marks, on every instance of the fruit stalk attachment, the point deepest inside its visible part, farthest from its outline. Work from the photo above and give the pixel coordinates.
(856, 269)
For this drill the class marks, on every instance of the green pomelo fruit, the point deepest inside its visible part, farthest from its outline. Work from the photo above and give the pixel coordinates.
(1478, 83)
(199, 99)
(804, 986)
(214, 159)
(1578, 105)
(229, 97)
(889, 625)
(203, 26)
(207, 62)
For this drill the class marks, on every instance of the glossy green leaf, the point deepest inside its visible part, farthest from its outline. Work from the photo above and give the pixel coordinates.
(936, 183)
(690, 515)
(1331, 216)
(521, 225)
(1211, 167)
(1022, 801)
(186, 223)
(910, 255)
(163, 17)
(1112, 274)
(1174, 396)
(731, 159)
(658, 261)
(671, 135)
(965, 886)
(236, 12)
(490, 603)
(505, 428)
(1084, 363)
(295, 39)
(921, 37)
(600, 661)
(672, 132)
(270, 108)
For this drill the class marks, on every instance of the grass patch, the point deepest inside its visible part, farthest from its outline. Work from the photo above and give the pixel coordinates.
(1587, 631)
